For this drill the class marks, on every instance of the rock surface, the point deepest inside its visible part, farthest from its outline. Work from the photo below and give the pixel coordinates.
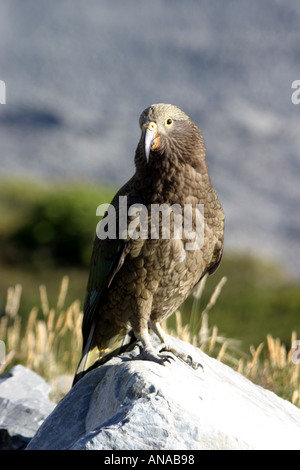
(141, 405)
(24, 404)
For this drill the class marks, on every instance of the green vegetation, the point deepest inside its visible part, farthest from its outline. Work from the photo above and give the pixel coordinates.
(46, 232)
(257, 300)
(44, 226)
(49, 342)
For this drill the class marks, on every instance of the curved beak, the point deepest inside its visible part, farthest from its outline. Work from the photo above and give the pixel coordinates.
(149, 137)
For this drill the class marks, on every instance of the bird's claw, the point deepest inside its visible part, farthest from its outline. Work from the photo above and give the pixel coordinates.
(195, 365)
(155, 356)
(184, 357)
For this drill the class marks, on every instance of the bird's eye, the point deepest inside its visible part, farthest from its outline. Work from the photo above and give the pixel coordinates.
(169, 122)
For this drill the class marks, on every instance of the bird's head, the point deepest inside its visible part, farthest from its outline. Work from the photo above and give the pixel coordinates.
(167, 129)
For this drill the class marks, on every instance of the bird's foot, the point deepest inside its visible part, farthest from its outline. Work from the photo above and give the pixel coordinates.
(151, 354)
(167, 346)
(183, 357)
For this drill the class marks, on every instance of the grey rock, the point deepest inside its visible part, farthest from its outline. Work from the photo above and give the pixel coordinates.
(140, 405)
(24, 404)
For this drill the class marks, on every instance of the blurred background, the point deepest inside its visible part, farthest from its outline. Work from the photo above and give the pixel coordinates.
(79, 73)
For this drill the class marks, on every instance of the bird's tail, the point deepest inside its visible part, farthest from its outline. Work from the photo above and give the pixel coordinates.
(93, 356)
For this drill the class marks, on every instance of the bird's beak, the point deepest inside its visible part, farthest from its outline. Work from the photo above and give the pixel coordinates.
(150, 133)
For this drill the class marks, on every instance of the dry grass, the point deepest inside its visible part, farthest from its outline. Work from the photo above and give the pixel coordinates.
(49, 341)
(267, 365)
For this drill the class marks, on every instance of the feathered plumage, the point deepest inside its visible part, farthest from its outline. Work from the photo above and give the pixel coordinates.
(136, 283)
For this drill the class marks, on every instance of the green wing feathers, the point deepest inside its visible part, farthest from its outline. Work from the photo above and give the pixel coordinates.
(107, 258)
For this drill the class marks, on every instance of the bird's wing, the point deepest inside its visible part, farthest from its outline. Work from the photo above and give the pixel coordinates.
(107, 258)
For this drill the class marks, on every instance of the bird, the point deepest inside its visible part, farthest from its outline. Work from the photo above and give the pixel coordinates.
(136, 282)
